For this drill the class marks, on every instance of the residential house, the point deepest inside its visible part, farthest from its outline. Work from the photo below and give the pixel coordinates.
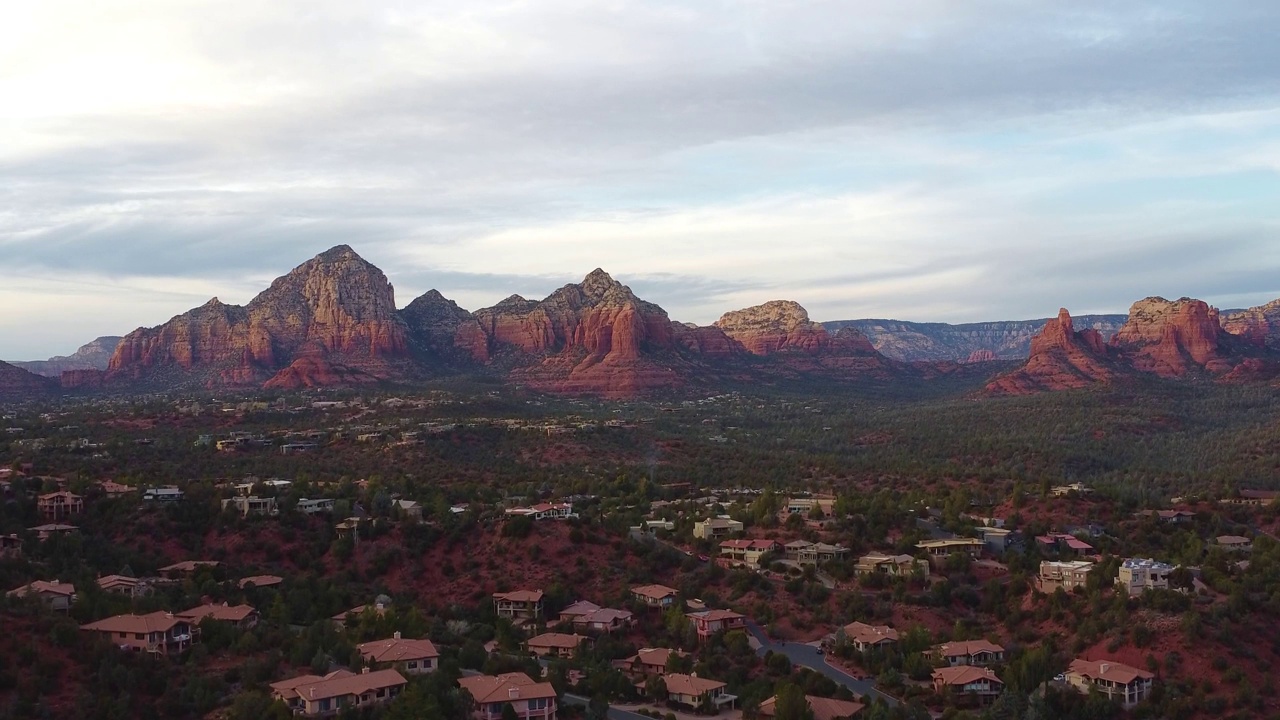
(655, 596)
(186, 568)
(314, 506)
(967, 681)
(316, 696)
(10, 545)
(806, 505)
(1255, 497)
(164, 494)
(578, 609)
(1235, 543)
(821, 552)
(1064, 490)
(519, 604)
(650, 661)
(113, 488)
(416, 657)
(864, 637)
(261, 581)
(1137, 575)
(123, 585)
(1065, 574)
(998, 539)
(248, 505)
(59, 505)
(380, 606)
(980, 653)
(604, 620)
(716, 528)
(822, 708)
(892, 565)
(555, 644)
(490, 694)
(747, 552)
(940, 550)
(241, 616)
(545, 511)
(57, 595)
(159, 632)
(692, 691)
(350, 527)
(1173, 517)
(409, 510)
(44, 532)
(1117, 681)
(1062, 543)
(710, 622)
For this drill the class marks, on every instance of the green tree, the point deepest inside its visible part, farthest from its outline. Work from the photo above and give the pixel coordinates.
(791, 703)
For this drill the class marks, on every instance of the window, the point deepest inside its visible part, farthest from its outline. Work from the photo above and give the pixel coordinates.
(413, 665)
(538, 704)
(140, 636)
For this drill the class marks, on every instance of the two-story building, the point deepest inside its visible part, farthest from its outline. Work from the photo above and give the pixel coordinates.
(710, 622)
(1068, 575)
(416, 657)
(124, 585)
(716, 528)
(978, 684)
(321, 696)
(518, 604)
(490, 694)
(694, 692)
(159, 632)
(1062, 543)
(655, 596)
(167, 493)
(601, 620)
(891, 565)
(809, 553)
(315, 506)
(10, 545)
(979, 653)
(649, 661)
(747, 552)
(59, 505)
(1138, 575)
(57, 595)
(864, 637)
(1123, 683)
(252, 505)
(939, 550)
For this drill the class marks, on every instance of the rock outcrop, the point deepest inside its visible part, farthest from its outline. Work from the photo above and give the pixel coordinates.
(707, 341)
(16, 383)
(1259, 325)
(980, 356)
(1061, 358)
(82, 379)
(440, 330)
(774, 327)
(335, 306)
(1171, 338)
(93, 355)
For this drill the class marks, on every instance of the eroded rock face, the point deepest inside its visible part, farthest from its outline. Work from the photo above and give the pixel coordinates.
(1061, 359)
(776, 326)
(313, 371)
(81, 379)
(336, 304)
(1259, 325)
(978, 356)
(441, 329)
(708, 341)
(93, 355)
(1170, 338)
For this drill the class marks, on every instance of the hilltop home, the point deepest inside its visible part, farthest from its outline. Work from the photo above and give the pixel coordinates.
(940, 550)
(167, 493)
(710, 622)
(315, 696)
(605, 620)
(1234, 543)
(1137, 575)
(864, 637)
(490, 694)
(1062, 543)
(44, 532)
(1117, 681)
(58, 505)
(1064, 490)
(968, 681)
(747, 552)
(805, 506)
(417, 657)
(655, 596)
(57, 595)
(1067, 575)
(186, 568)
(970, 652)
(650, 661)
(716, 528)
(159, 632)
(124, 585)
(312, 506)
(693, 692)
(252, 505)
(241, 616)
(261, 581)
(545, 511)
(518, 604)
(822, 708)
(807, 553)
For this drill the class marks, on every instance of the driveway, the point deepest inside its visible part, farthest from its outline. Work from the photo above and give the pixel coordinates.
(810, 657)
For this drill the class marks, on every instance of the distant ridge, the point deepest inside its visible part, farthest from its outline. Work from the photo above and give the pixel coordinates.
(940, 342)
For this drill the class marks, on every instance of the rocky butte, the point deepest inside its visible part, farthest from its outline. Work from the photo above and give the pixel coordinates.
(16, 382)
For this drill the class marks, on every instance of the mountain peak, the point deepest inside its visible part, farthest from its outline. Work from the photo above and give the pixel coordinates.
(339, 252)
(597, 284)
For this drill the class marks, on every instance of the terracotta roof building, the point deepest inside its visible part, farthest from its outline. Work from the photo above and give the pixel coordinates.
(518, 604)
(555, 644)
(161, 633)
(59, 505)
(57, 595)
(531, 700)
(657, 596)
(261, 581)
(650, 661)
(970, 652)
(317, 696)
(124, 585)
(710, 622)
(976, 682)
(415, 656)
(693, 691)
(822, 708)
(242, 616)
(866, 637)
(1117, 681)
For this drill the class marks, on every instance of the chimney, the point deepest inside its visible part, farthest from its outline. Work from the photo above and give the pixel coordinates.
(1102, 669)
(513, 692)
(396, 635)
(365, 671)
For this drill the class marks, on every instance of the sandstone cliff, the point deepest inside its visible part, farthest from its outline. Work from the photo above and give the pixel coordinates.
(1171, 338)
(776, 326)
(335, 306)
(1259, 325)
(94, 355)
(1061, 358)
(932, 342)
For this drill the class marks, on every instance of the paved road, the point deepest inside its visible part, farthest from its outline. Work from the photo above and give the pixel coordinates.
(809, 656)
(614, 713)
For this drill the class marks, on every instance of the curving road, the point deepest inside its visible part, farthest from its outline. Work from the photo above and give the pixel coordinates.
(810, 657)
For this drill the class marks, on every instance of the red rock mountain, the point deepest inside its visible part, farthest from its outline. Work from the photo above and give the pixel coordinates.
(335, 307)
(17, 383)
(1259, 325)
(440, 330)
(776, 326)
(93, 355)
(1169, 339)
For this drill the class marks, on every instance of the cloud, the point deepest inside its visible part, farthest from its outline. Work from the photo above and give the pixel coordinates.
(925, 159)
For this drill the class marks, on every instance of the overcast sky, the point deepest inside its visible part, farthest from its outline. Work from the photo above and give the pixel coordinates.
(944, 160)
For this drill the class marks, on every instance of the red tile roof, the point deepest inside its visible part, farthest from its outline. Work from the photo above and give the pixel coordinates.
(965, 674)
(504, 688)
(41, 586)
(151, 622)
(396, 650)
(520, 596)
(224, 613)
(1108, 670)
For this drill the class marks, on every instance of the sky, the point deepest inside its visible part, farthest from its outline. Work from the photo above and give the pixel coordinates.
(929, 160)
